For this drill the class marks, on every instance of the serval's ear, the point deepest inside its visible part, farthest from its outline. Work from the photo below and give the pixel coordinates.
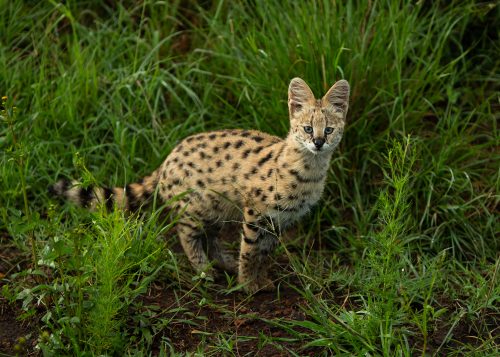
(338, 97)
(299, 96)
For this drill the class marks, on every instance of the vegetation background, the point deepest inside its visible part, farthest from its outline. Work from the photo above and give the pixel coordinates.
(401, 256)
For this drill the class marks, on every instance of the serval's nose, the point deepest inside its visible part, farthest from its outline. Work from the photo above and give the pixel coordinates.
(318, 142)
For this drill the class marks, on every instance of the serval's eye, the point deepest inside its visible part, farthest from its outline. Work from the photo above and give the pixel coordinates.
(308, 129)
(328, 130)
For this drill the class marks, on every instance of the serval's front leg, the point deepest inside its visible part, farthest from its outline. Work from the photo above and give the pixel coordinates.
(191, 236)
(256, 246)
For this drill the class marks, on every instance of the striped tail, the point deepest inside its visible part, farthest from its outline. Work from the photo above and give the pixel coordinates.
(131, 198)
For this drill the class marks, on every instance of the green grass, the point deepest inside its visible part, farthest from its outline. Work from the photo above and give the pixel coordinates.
(401, 256)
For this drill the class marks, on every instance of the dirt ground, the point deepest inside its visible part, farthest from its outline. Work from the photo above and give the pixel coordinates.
(239, 316)
(247, 320)
(234, 314)
(11, 328)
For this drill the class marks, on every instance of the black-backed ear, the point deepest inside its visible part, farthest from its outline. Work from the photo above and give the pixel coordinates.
(338, 96)
(299, 95)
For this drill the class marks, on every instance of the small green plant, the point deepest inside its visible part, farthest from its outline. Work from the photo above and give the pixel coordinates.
(116, 258)
(18, 153)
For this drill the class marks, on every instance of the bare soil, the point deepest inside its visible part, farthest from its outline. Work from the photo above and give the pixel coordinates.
(193, 323)
(233, 315)
(13, 329)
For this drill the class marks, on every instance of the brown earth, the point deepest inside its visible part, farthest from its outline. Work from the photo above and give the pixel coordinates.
(235, 315)
(248, 320)
(12, 329)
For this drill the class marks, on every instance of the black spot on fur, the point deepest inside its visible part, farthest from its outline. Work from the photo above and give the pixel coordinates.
(302, 179)
(65, 185)
(252, 227)
(86, 195)
(200, 183)
(228, 157)
(280, 151)
(236, 166)
(226, 145)
(258, 149)
(265, 159)
(257, 139)
(219, 163)
(246, 153)
(248, 241)
(187, 225)
(212, 136)
(108, 193)
(133, 202)
(238, 144)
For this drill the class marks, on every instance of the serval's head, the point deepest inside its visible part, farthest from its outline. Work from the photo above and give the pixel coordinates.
(317, 125)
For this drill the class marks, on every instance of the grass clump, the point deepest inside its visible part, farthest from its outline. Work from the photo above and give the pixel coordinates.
(98, 272)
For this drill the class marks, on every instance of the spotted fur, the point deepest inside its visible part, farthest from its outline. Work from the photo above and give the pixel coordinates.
(246, 176)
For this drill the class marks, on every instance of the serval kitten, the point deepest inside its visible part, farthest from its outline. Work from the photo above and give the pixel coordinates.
(247, 176)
